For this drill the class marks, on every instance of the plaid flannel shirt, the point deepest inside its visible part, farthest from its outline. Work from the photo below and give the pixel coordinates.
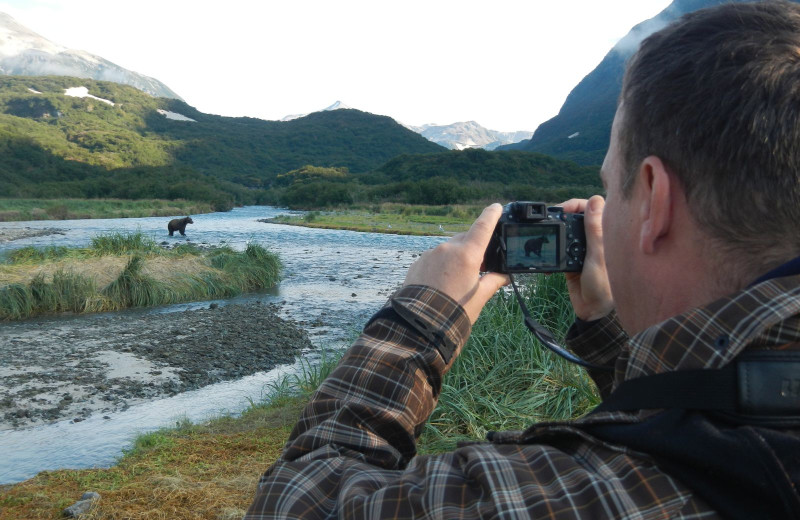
(352, 453)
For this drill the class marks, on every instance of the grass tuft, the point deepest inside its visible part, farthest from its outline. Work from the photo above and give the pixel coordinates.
(505, 379)
(123, 243)
(136, 272)
(134, 289)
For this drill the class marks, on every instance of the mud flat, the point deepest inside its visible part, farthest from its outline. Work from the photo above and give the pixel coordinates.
(7, 235)
(71, 368)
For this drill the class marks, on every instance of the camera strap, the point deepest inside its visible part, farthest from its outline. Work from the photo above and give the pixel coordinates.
(546, 338)
(758, 387)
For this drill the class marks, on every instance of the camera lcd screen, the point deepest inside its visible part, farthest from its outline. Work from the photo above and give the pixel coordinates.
(531, 246)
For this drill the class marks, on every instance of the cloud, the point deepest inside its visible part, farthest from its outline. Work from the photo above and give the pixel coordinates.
(630, 43)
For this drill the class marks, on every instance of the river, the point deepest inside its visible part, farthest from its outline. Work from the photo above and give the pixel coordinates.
(332, 282)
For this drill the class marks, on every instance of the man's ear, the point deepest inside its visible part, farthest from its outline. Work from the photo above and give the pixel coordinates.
(655, 203)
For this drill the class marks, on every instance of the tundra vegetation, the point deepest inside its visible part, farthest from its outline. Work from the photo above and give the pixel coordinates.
(121, 270)
(502, 380)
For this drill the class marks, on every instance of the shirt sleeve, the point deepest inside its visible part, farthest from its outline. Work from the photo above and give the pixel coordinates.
(375, 402)
(351, 454)
(599, 342)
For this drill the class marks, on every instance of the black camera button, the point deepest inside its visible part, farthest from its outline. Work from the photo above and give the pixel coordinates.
(576, 249)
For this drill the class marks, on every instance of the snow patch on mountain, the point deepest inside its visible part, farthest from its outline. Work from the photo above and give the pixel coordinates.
(83, 92)
(175, 116)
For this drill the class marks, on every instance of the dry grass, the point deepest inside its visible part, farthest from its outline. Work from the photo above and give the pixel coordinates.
(120, 271)
(103, 269)
(197, 472)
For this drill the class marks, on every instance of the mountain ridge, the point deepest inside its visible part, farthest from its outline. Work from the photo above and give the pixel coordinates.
(25, 53)
(468, 134)
(581, 130)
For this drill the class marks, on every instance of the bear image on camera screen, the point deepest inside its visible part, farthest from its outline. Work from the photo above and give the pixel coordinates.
(179, 224)
(534, 245)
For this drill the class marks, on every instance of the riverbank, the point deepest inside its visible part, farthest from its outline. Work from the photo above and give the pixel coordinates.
(74, 368)
(391, 218)
(15, 210)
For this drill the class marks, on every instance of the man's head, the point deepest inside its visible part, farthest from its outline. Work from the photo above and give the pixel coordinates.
(703, 168)
(716, 96)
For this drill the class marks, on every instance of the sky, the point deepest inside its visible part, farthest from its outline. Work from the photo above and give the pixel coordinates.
(507, 64)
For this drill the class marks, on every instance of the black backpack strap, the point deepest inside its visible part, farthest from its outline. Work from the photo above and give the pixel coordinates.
(731, 435)
(759, 386)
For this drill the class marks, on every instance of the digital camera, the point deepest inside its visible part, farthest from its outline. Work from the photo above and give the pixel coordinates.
(532, 238)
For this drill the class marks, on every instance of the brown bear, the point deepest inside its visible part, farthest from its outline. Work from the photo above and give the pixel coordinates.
(179, 224)
(534, 245)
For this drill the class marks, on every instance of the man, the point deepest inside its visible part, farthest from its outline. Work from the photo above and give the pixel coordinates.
(692, 260)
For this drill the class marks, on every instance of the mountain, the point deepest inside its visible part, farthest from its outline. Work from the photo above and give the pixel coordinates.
(63, 136)
(468, 134)
(25, 53)
(582, 129)
(336, 106)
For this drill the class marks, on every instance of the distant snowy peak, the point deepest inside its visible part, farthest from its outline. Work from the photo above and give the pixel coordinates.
(468, 134)
(336, 106)
(25, 53)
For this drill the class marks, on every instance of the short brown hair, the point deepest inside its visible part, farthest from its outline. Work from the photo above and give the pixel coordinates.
(716, 96)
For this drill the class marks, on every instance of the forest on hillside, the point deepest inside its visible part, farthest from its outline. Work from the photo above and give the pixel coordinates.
(118, 145)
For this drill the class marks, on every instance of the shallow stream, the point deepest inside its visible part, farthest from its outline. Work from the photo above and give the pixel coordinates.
(332, 282)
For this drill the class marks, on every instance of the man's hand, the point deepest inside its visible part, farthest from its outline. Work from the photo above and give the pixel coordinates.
(589, 290)
(454, 266)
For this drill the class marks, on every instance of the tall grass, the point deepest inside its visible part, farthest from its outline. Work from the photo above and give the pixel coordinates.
(66, 292)
(254, 268)
(224, 273)
(503, 380)
(134, 289)
(116, 243)
(123, 243)
(304, 383)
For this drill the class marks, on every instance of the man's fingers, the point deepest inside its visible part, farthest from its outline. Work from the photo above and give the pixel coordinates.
(481, 231)
(593, 222)
(574, 205)
(490, 283)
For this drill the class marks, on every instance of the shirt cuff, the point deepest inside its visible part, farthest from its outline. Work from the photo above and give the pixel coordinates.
(599, 342)
(436, 316)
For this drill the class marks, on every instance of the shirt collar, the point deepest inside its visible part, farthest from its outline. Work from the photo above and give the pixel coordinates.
(790, 268)
(710, 336)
